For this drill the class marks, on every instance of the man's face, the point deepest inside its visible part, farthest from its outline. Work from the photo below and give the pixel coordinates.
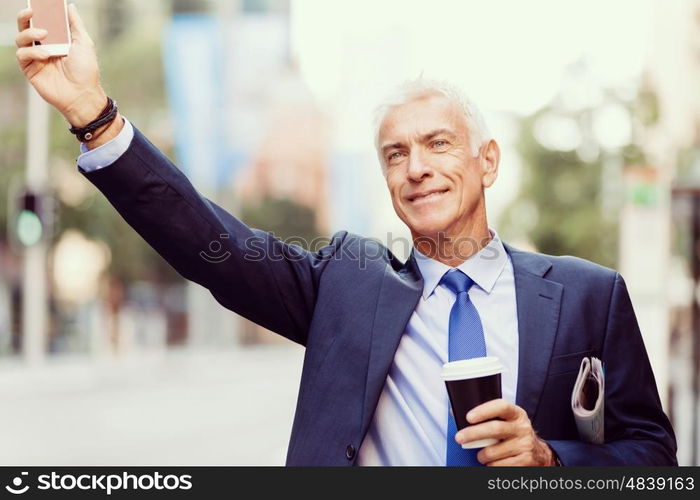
(436, 184)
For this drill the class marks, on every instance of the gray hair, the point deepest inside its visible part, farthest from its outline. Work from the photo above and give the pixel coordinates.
(412, 90)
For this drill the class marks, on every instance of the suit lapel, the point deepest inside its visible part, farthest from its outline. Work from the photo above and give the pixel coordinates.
(538, 305)
(398, 297)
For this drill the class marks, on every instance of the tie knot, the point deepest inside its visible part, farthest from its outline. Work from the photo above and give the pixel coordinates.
(457, 281)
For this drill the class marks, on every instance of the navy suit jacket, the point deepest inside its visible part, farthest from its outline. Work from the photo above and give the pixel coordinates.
(349, 302)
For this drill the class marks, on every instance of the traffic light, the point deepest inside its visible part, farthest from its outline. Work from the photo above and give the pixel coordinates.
(29, 226)
(32, 218)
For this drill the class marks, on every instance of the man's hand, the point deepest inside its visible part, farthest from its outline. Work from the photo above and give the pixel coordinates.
(72, 83)
(519, 445)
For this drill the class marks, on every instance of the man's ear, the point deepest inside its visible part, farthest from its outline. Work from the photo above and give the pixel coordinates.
(490, 158)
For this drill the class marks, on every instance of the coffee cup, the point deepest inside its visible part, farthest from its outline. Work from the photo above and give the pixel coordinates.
(471, 382)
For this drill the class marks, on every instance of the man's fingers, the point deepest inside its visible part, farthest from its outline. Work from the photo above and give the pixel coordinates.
(77, 27)
(507, 462)
(496, 408)
(493, 429)
(504, 449)
(28, 36)
(26, 55)
(23, 19)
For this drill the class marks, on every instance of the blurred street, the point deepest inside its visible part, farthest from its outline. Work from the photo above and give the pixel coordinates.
(231, 407)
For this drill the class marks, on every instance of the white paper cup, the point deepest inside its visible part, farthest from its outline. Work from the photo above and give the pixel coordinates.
(471, 382)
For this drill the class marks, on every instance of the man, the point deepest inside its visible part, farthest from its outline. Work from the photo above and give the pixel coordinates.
(377, 330)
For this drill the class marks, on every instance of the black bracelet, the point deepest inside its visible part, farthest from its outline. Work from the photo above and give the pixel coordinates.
(108, 115)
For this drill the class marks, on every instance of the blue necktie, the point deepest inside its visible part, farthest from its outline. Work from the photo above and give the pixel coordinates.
(466, 340)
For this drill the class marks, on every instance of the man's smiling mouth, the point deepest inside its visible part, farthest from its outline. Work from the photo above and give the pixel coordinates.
(427, 195)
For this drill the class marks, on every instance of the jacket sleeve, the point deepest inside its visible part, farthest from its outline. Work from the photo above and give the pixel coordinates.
(637, 432)
(247, 270)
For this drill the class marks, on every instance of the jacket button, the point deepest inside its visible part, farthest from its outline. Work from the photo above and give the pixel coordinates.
(350, 452)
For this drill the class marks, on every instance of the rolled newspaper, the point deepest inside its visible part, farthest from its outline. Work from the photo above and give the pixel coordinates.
(588, 401)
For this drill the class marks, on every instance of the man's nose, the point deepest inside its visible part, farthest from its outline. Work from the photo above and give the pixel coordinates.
(418, 167)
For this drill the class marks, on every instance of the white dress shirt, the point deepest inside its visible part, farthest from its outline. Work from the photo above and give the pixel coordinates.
(109, 152)
(409, 426)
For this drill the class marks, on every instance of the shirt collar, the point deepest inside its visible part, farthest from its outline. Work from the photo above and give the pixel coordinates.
(483, 267)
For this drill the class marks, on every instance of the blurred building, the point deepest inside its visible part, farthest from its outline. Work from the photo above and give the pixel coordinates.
(663, 247)
(292, 159)
(279, 136)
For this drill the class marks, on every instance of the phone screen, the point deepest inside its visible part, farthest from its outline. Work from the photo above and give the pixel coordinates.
(51, 16)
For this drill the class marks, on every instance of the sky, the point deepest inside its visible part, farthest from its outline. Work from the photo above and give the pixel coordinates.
(507, 54)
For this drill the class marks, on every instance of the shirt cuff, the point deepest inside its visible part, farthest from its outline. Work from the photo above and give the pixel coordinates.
(108, 153)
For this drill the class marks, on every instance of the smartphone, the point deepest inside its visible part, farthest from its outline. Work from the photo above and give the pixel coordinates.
(52, 15)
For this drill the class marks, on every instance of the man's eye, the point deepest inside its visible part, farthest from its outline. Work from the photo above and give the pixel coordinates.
(440, 144)
(394, 156)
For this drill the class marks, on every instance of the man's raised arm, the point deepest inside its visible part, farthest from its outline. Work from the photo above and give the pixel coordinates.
(258, 276)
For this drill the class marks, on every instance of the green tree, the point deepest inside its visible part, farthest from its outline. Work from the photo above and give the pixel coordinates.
(562, 207)
(284, 218)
